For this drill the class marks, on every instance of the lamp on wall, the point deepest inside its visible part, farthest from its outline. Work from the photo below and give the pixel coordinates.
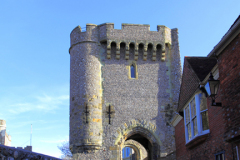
(212, 87)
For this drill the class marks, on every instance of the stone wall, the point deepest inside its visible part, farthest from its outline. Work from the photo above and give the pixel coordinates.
(11, 153)
(230, 86)
(108, 106)
(5, 139)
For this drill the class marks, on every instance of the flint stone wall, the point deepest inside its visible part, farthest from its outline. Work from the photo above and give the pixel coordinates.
(11, 153)
(99, 80)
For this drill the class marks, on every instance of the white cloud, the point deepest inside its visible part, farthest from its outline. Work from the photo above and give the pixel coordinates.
(20, 101)
(43, 103)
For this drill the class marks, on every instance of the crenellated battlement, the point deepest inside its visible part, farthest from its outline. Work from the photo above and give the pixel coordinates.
(125, 27)
(147, 48)
(136, 36)
(123, 83)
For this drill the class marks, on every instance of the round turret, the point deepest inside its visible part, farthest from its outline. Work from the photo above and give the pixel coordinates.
(124, 85)
(85, 91)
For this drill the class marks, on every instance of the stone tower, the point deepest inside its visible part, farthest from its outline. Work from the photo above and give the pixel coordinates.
(124, 87)
(5, 139)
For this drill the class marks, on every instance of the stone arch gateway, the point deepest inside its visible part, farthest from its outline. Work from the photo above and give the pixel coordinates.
(139, 137)
(136, 147)
(107, 106)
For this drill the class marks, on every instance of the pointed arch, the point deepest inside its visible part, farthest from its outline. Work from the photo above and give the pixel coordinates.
(139, 151)
(135, 129)
(132, 70)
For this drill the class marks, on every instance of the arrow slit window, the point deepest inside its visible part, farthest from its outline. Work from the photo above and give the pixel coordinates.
(133, 71)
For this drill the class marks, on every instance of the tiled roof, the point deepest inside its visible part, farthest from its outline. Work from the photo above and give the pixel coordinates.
(195, 70)
(201, 65)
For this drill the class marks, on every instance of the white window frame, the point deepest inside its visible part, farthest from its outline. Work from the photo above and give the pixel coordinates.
(199, 119)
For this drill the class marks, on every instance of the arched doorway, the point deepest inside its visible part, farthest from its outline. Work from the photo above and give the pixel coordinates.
(144, 142)
(144, 137)
(138, 152)
(128, 153)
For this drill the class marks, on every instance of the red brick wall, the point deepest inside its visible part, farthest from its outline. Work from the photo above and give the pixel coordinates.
(180, 140)
(224, 122)
(229, 76)
(213, 144)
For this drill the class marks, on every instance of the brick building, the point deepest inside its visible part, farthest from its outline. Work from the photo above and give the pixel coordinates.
(203, 131)
(124, 87)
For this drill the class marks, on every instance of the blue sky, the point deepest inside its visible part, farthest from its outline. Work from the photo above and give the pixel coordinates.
(34, 58)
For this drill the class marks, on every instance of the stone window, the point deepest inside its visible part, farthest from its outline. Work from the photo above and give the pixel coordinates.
(133, 72)
(196, 117)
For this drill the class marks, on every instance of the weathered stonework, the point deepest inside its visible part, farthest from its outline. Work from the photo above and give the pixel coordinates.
(139, 151)
(5, 139)
(140, 108)
(12, 153)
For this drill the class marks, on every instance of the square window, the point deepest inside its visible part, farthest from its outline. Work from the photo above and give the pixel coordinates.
(193, 108)
(195, 131)
(196, 117)
(204, 116)
(187, 116)
(203, 102)
(189, 132)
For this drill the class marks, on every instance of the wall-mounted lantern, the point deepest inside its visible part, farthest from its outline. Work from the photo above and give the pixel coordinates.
(212, 87)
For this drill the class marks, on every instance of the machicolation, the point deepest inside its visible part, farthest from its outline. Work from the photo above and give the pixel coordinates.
(124, 87)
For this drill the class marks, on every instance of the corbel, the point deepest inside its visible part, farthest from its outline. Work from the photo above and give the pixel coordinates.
(136, 52)
(154, 53)
(145, 52)
(118, 50)
(109, 49)
(163, 56)
(127, 51)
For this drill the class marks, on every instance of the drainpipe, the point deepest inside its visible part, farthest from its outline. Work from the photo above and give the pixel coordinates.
(237, 153)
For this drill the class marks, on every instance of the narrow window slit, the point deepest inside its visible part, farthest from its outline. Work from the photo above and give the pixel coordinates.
(133, 71)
